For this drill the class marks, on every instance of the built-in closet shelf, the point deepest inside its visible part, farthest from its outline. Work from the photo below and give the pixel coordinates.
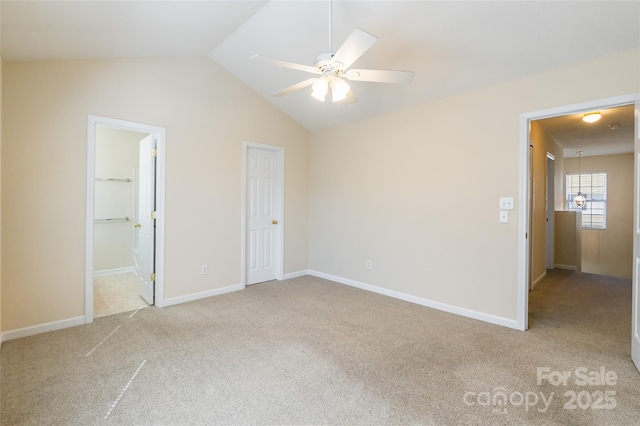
(113, 179)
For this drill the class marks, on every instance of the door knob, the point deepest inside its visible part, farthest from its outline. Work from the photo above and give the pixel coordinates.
(137, 225)
(275, 222)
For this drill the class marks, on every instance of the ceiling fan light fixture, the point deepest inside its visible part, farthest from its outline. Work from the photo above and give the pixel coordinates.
(339, 89)
(591, 117)
(329, 67)
(320, 88)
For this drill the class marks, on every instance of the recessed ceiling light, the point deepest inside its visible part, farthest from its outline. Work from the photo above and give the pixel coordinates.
(614, 126)
(591, 117)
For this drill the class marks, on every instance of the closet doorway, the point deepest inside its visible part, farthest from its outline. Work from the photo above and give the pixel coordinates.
(123, 208)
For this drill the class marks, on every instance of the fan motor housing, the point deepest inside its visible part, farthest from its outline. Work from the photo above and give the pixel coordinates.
(327, 65)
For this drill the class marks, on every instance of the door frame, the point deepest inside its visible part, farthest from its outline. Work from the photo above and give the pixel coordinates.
(523, 193)
(279, 234)
(159, 133)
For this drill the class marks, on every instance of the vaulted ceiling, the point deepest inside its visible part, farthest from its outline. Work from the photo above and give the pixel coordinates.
(452, 46)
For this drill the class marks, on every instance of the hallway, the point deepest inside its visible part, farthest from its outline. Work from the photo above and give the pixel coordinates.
(586, 309)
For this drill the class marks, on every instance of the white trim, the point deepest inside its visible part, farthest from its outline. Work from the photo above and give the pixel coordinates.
(42, 328)
(279, 262)
(493, 319)
(296, 274)
(635, 330)
(635, 286)
(565, 267)
(114, 271)
(89, 218)
(539, 280)
(523, 250)
(202, 295)
(161, 159)
(159, 134)
(523, 226)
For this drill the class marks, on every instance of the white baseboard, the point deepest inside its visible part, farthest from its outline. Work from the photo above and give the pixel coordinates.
(201, 295)
(565, 267)
(104, 272)
(493, 319)
(297, 274)
(72, 322)
(41, 328)
(539, 280)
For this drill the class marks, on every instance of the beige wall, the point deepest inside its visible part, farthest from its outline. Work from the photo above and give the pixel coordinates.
(610, 251)
(207, 114)
(416, 191)
(117, 156)
(542, 144)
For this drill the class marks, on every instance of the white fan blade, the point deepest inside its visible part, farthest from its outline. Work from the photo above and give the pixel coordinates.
(286, 64)
(295, 87)
(379, 76)
(354, 46)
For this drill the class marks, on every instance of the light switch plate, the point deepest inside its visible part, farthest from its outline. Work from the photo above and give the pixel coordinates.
(504, 216)
(506, 203)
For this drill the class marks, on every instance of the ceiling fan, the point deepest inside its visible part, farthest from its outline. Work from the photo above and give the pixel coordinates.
(333, 68)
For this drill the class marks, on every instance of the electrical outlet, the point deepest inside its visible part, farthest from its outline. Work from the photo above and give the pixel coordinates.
(330, 259)
(369, 264)
(205, 270)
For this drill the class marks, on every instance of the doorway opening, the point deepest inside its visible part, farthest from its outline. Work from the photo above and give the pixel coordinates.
(117, 252)
(525, 238)
(125, 210)
(528, 242)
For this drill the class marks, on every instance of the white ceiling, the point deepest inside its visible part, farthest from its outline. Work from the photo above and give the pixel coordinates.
(33, 30)
(453, 46)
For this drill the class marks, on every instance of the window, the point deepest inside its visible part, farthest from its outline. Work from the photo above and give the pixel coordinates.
(594, 188)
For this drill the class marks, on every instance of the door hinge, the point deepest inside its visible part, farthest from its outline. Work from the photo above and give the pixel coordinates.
(153, 214)
(153, 276)
(154, 152)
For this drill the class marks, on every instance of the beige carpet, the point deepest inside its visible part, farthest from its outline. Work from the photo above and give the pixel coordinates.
(113, 294)
(309, 351)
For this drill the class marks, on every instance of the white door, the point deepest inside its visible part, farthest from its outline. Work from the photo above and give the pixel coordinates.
(550, 237)
(145, 227)
(262, 214)
(635, 317)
